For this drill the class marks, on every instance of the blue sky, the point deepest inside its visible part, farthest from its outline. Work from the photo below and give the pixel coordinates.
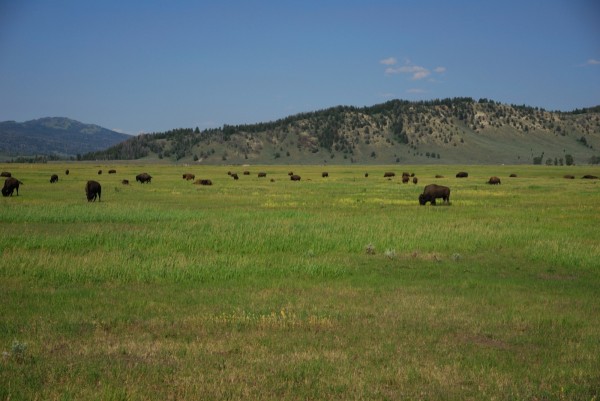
(147, 66)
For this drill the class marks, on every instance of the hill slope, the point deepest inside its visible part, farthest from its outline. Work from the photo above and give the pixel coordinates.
(55, 136)
(459, 130)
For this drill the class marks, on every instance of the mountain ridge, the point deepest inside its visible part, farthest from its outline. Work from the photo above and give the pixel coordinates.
(457, 130)
(58, 136)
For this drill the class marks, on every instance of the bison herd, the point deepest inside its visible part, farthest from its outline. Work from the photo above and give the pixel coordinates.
(431, 192)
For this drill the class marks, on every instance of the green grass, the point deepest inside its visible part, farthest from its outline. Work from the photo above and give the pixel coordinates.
(254, 289)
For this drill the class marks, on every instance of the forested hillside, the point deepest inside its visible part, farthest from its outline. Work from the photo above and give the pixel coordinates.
(458, 130)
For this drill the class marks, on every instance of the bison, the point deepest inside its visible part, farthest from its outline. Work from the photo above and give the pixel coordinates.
(53, 178)
(125, 182)
(590, 177)
(262, 174)
(188, 176)
(5, 174)
(205, 182)
(112, 171)
(324, 174)
(513, 175)
(143, 178)
(439, 176)
(235, 176)
(295, 177)
(433, 192)
(415, 180)
(10, 185)
(462, 174)
(569, 177)
(405, 179)
(389, 174)
(246, 172)
(366, 175)
(93, 189)
(99, 172)
(494, 181)
(67, 172)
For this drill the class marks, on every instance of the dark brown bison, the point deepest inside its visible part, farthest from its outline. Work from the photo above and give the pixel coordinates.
(188, 176)
(93, 189)
(10, 185)
(67, 172)
(125, 182)
(569, 177)
(462, 174)
(290, 173)
(389, 174)
(246, 172)
(433, 192)
(405, 174)
(415, 180)
(5, 174)
(99, 172)
(439, 176)
(513, 175)
(405, 179)
(295, 177)
(53, 178)
(143, 178)
(235, 176)
(324, 174)
(112, 171)
(590, 177)
(366, 175)
(494, 181)
(262, 174)
(205, 182)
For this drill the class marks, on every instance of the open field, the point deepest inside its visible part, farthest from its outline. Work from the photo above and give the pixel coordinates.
(328, 288)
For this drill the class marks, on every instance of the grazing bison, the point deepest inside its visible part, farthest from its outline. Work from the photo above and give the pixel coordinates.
(415, 180)
(366, 175)
(205, 182)
(494, 181)
(405, 179)
(324, 174)
(53, 178)
(112, 171)
(290, 173)
(99, 172)
(235, 176)
(462, 174)
(569, 177)
(439, 176)
(93, 189)
(67, 172)
(143, 178)
(246, 172)
(5, 174)
(188, 176)
(10, 184)
(433, 192)
(389, 174)
(590, 177)
(262, 174)
(125, 182)
(295, 177)
(513, 175)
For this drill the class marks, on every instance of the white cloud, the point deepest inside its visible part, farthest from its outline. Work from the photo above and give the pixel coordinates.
(439, 70)
(417, 72)
(389, 61)
(593, 62)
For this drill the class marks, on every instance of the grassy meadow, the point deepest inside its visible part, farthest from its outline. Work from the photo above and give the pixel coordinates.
(329, 288)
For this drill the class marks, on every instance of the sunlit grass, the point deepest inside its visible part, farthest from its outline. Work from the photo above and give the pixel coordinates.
(328, 288)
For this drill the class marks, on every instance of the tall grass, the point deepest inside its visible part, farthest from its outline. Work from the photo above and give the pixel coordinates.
(265, 290)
